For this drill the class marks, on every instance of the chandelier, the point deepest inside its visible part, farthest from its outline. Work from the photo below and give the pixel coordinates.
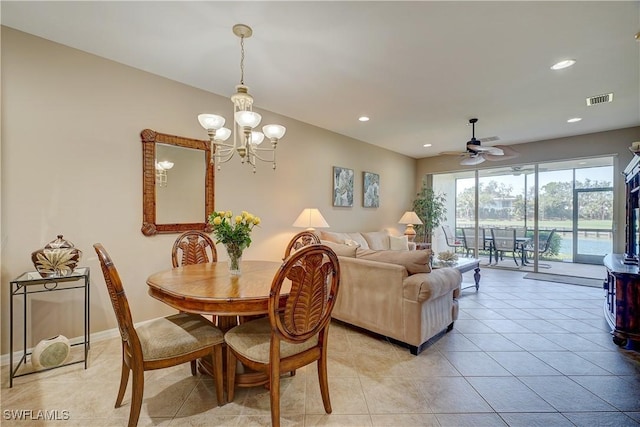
(246, 141)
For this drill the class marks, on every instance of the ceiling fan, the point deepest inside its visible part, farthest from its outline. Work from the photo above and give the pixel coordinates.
(476, 153)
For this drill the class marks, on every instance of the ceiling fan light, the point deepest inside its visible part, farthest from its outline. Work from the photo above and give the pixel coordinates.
(470, 161)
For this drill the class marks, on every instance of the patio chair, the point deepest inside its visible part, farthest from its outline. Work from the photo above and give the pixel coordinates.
(453, 241)
(543, 247)
(503, 240)
(469, 239)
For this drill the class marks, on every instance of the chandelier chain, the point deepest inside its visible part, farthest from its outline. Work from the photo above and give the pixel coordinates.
(242, 60)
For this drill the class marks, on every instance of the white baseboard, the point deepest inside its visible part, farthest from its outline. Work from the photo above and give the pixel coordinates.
(95, 337)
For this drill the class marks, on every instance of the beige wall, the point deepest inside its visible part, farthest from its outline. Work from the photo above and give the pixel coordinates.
(72, 160)
(615, 142)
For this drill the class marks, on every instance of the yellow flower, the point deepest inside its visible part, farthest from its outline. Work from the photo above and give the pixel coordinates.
(244, 213)
(221, 213)
(249, 217)
(217, 220)
(238, 219)
(228, 214)
(256, 220)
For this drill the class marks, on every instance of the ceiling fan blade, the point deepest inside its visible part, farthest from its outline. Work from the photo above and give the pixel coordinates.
(495, 151)
(509, 153)
(453, 153)
(473, 160)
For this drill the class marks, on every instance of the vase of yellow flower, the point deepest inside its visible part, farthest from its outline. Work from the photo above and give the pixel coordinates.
(234, 232)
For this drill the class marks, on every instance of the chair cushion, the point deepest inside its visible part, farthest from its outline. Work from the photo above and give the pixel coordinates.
(177, 334)
(252, 340)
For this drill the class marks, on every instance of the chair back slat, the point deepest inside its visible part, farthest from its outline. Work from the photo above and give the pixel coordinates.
(313, 273)
(504, 239)
(191, 248)
(116, 294)
(300, 240)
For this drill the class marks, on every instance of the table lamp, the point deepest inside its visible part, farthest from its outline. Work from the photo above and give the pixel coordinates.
(310, 218)
(410, 218)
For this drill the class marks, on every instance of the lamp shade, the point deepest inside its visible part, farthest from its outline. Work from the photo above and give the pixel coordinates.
(409, 217)
(310, 218)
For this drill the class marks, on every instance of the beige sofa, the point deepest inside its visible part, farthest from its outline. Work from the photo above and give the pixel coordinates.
(393, 292)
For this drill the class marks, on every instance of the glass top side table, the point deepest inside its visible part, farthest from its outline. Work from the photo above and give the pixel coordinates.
(31, 282)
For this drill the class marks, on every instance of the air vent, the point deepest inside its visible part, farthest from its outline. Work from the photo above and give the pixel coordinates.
(490, 139)
(600, 99)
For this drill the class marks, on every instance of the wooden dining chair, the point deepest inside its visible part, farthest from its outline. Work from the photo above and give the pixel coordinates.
(300, 240)
(191, 247)
(295, 333)
(160, 343)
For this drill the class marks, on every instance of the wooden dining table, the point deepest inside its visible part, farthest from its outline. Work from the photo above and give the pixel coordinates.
(209, 289)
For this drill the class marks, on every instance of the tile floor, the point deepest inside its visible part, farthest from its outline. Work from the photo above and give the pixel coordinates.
(522, 353)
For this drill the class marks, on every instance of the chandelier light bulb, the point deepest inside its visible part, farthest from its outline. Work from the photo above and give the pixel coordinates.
(222, 134)
(274, 131)
(248, 119)
(256, 138)
(211, 121)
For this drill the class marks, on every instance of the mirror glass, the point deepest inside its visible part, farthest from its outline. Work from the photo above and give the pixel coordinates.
(179, 189)
(177, 183)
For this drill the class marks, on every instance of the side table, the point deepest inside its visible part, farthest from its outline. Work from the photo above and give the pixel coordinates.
(31, 283)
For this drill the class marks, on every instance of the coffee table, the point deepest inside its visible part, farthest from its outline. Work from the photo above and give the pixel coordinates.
(462, 265)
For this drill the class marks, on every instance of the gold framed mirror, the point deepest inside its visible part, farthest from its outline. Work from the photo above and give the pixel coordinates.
(172, 197)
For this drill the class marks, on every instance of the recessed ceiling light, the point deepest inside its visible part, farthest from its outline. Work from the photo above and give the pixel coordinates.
(563, 64)
(427, 145)
(582, 163)
(363, 118)
(574, 120)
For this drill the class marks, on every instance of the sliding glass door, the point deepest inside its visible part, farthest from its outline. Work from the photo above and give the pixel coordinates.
(572, 225)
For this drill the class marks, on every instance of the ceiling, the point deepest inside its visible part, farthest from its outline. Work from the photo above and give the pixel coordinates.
(419, 70)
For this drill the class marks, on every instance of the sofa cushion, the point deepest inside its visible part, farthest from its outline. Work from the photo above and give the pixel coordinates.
(351, 239)
(377, 240)
(341, 249)
(413, 261)
(399, 243)
(333, 237)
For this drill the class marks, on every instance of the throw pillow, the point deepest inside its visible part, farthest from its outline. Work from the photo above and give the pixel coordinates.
(413, 261)
(341, 249)
(332, 237)
(377, 240)
(399, 243)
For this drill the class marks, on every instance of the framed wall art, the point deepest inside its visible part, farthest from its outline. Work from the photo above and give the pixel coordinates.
(342, 186)
(370, 190)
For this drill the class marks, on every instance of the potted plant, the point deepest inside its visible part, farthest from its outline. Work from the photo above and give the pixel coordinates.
(430, 208)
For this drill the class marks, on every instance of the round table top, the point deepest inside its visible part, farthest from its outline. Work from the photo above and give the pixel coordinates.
(209, 288)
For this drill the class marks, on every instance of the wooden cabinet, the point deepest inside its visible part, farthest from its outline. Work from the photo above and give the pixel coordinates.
(622, 305)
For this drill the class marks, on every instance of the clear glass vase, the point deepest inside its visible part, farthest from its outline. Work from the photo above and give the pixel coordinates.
(234, 251)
